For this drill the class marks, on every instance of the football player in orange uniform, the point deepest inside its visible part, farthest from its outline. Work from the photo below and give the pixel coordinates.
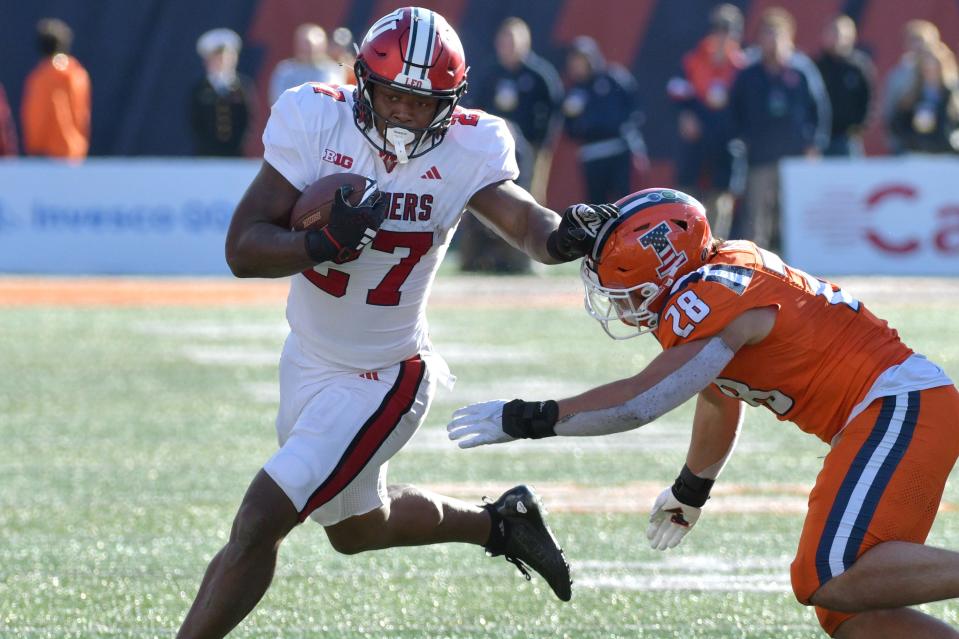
(737, 325)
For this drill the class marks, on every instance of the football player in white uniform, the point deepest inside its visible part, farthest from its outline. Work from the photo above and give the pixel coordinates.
(357, 373)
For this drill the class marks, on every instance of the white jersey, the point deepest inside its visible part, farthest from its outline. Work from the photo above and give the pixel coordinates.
(371, 313)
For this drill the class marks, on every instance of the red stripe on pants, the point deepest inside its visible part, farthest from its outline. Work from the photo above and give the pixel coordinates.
(371, 436)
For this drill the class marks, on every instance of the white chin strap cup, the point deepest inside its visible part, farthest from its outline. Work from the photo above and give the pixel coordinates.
(399, 138)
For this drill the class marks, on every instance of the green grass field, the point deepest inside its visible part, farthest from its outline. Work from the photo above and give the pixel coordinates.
(130, 434)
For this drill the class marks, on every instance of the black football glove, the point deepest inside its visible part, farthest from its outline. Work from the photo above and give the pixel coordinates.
(499, 421)
(577, 230)
(350, 229)
(530, 420)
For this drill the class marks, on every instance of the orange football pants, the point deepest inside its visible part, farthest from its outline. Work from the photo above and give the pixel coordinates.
(882, 481)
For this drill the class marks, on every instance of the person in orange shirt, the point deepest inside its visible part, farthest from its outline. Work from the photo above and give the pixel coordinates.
(56, 99)
(705, 164)
(738, 326)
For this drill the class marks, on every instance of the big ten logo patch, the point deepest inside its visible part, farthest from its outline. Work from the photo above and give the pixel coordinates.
(338, 159)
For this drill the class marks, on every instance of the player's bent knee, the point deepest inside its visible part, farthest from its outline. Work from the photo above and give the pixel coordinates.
(353, 542)
(347, 546)
(359, 533)
(811, 591)
(255, 528)
(835, 595)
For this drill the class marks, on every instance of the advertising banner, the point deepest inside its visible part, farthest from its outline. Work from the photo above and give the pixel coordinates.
(119, 216)
(882, 216)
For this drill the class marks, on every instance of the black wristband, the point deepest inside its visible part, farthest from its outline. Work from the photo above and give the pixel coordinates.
(530, 420)
(560, 254)
(320, 246)
(690, 489)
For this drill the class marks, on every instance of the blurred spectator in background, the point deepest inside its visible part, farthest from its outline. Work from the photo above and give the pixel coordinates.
(311, 62)
(604, 116)
(8, 131)
(343, 50)
(704, 160)
(918, 36)
(525, 90)
(779, 109)
(56, 98)
(849, 76)
(926, 118)
(221, 103)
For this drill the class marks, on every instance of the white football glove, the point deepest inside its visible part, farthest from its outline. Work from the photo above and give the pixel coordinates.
(479, 424)
(669, 521)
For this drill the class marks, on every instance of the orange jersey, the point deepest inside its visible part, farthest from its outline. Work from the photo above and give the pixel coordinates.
(707, 75)
(821, 357)
(56, 109)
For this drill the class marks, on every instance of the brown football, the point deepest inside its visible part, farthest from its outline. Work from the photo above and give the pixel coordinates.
(312, 209)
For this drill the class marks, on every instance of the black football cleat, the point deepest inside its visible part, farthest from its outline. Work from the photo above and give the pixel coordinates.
(526, 541)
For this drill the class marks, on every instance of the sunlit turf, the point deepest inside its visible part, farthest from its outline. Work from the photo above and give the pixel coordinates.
(129, 436)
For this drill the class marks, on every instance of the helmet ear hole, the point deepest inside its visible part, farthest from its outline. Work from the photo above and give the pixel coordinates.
(681, 224)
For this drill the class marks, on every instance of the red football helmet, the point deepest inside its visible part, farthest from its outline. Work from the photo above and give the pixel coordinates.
(659, 236)
(416, 51)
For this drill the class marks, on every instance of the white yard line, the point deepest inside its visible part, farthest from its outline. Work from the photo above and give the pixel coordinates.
(213, 330)
(231, 356)
(704, 581)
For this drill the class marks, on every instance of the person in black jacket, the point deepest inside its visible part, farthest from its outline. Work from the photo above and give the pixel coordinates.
(779, 109)
(525, 90)
(603, 115)
(849, 77)
(221, 103)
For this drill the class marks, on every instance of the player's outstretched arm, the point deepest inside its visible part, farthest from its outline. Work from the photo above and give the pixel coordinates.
(544, 235)
(259, 242)
(676, 510)
(673, 377)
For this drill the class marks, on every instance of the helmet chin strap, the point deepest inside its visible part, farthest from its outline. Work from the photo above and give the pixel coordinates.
(399, 138)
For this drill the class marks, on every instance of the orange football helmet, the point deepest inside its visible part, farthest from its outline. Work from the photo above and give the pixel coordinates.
(659, 236)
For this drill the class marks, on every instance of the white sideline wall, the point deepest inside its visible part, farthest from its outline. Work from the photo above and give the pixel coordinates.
(873, 216)
(128, 216)
(140, 216)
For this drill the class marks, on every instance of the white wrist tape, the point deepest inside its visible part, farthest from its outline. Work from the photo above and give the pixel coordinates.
(677, 387)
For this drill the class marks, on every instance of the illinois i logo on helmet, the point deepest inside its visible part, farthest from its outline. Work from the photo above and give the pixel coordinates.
(671, 259)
